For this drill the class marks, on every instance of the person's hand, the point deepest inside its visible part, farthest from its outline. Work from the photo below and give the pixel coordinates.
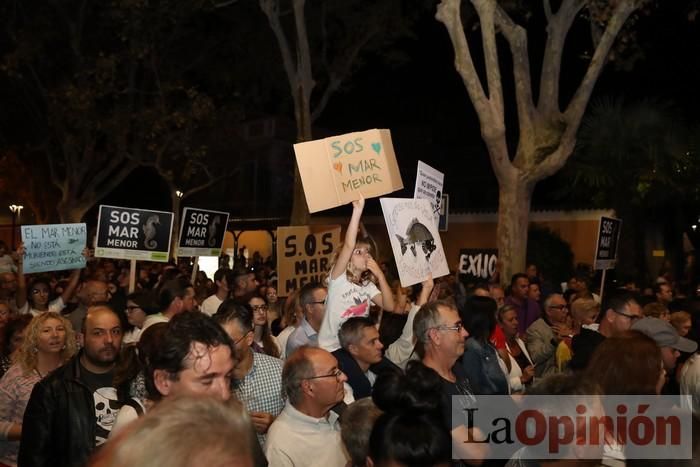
(528, 374)
(561, 331)
(359, 204)
(261, 421)
(374, 267)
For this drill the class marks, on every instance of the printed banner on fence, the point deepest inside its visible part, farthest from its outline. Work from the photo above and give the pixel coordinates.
(304, 255)
(53, 247)
(202, 232)
(334, 171)
(415, 239)
(429, 183)
(477, 264)
(127, 233)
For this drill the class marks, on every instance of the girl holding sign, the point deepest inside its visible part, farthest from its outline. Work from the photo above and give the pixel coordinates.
(351, 283)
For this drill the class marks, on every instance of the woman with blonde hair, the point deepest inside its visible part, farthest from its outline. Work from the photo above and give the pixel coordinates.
(48, 343)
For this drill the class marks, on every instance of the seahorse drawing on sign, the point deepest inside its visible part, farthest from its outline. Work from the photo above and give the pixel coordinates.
(212, 230)
(149, 230)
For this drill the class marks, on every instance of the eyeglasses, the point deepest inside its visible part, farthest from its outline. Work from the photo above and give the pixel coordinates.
(335, 373)
(627, 315)
(558, 307)
(455, 327)
(259, 308)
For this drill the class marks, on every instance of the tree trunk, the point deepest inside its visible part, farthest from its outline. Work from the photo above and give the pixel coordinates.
(513, 218)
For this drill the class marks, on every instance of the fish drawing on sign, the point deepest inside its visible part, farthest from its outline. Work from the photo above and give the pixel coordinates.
(417, 234)
(149, 230)
(215, 221)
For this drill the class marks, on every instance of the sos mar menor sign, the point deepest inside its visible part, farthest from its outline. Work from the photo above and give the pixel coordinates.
(127, 233)
(304, 255)
(202, 232)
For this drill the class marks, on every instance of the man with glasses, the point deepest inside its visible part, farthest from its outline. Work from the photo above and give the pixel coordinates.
(440, 342)
(621, 311)
(307, 432)
(546, 334)
(312, 298)
(257, 377)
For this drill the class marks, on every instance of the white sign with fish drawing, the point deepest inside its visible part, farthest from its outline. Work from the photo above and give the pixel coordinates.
(415, 239)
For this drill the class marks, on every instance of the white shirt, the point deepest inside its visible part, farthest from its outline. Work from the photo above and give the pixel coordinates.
(345, 300)
(210, 305)
(282, 339)
(296, 439)
(151, 320)
(55, 306)
(690, 384)
(401, 350)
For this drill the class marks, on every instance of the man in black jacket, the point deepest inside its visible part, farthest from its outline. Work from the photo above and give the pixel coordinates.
(360, 357)
(71, 411)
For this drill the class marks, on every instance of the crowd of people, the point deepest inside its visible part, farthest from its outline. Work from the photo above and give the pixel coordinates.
(355, 370)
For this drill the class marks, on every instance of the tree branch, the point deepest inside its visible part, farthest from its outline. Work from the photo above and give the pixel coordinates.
(547, 10)
(577, 106)
(212, 181)
(557, 30)
(516, 36)
(271, 10)
(448, 13)
(486, 10)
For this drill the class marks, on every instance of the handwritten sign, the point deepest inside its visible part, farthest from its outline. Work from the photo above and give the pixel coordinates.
(429, 183)
(415, 239)
(606, 247)
(202, 232)
(127, 233)
(334, 171)
(478, 265)
(53, 247)
(304, 255)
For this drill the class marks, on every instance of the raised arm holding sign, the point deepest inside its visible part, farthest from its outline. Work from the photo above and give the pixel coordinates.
(350, 283)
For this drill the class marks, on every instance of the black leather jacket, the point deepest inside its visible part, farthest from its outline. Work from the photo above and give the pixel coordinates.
(59, 422)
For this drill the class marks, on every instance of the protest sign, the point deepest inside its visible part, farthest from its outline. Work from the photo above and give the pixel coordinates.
(202, 232)
(415, 239)
(138, 234)
(304, 255)
(429, 184)
(334, 171)
(477, 264)
(606, 246)
(53, 247)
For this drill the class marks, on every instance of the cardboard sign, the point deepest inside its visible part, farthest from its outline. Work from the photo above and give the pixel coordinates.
(53, 247)
(429, 184)
(477, 265)
(304, 255)
(606, 247)
(201, 232)
(415, 239)
(334, 171)
(126, 233)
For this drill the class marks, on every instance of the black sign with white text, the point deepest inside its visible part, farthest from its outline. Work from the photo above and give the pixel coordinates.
(127, 233)
(606, 248)
(477, 264)
(202, 232)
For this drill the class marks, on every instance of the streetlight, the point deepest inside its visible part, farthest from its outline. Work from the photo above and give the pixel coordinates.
(179, 194)
(16, 212)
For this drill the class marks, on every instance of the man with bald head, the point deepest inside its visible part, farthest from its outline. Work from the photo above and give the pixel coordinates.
(71, 411)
